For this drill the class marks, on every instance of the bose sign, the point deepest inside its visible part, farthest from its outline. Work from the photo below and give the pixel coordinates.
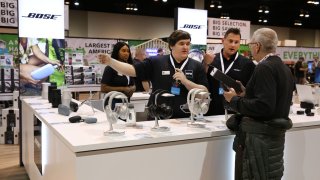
(193, 21)
(41, 16)
(41, 19)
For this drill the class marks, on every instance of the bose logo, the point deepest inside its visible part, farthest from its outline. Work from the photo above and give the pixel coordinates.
(192, 26)
(42, 16)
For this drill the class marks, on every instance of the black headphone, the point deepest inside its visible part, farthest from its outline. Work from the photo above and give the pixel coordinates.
(120, 111)
(161, 111)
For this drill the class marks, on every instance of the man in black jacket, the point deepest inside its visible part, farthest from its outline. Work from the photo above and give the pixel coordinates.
(231, 63)
(264, 110)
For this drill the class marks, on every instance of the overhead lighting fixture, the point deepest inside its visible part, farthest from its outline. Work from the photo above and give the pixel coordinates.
(76, 3)
(225, 16)
(263, 9)
(304, 13)
(313, 2)
(132, 7)
(297, 23)
(263, 19)
(164, 0)
(67, 2)
(212, 4)
(215, 4)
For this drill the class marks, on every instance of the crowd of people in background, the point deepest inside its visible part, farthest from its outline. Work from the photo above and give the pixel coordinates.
(307, 71)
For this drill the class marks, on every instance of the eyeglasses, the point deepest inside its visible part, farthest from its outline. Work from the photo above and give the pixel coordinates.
(252, 43)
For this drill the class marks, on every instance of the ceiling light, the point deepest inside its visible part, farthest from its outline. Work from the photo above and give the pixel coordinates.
(212, 4)
(76, 3)
(263, 9)
(313, 2)
(219, 5)
(67, 2)
(297, 23)
(164, 0)
(135, 7)
(225, 16)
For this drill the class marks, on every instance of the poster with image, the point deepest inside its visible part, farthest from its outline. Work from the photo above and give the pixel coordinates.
(89, 49)
(9, 45)
(41, 60)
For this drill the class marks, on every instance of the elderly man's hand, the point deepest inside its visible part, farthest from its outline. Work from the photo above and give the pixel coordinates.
(228, 95)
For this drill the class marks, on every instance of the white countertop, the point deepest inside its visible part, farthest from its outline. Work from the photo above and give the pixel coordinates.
(80, 137)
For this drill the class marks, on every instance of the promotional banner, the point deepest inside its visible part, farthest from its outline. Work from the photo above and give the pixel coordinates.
(293, 53)
(193, 21)
(8, 12)
(41, 44)
(9, 45)
(41, 19)
(81, 53)
(217, 27)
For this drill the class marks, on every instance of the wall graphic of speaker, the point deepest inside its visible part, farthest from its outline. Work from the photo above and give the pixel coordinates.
(160, 110)
(43, 72)
(198, 102)
(115, 111)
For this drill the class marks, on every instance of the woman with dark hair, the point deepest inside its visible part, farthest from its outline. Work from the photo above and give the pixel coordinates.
(114, 81)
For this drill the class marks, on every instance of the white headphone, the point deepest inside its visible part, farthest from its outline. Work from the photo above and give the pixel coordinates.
(121, 111)
(198, 105)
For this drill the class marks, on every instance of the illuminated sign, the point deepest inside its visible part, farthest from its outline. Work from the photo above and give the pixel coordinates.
(41, 19)
(193, 21)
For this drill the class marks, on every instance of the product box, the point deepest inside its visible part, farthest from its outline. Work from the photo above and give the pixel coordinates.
(9, 131)
(69, 80)
(89, 75)
(6, 60)
(16, 74)
(77, 59)
(78, 75)
(78, 81)
(7, 73)
(9, 86)
(68, 70)
(77, 69)
(87, 69)
(89, 81)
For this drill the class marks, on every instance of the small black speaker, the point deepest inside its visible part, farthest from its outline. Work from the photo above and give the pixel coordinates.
(50, 88)
(74, 106)
(56, 98)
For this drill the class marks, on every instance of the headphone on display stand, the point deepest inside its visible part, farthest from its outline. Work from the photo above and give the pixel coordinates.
(162, 111)
(119, 111)
(198, 102)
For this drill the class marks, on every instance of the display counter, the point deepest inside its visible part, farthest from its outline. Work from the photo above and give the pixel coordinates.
(81, 151)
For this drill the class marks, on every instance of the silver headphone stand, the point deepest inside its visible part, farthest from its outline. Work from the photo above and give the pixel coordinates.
(157, 128)
(194, 124)
(112, 132)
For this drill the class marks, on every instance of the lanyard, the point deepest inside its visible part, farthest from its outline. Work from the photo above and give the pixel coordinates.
(184, 64)
(128, 77)
(222, 63)
(264, 58)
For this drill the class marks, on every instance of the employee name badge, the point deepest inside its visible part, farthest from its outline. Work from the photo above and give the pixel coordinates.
(175, 89)
(221, 89)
